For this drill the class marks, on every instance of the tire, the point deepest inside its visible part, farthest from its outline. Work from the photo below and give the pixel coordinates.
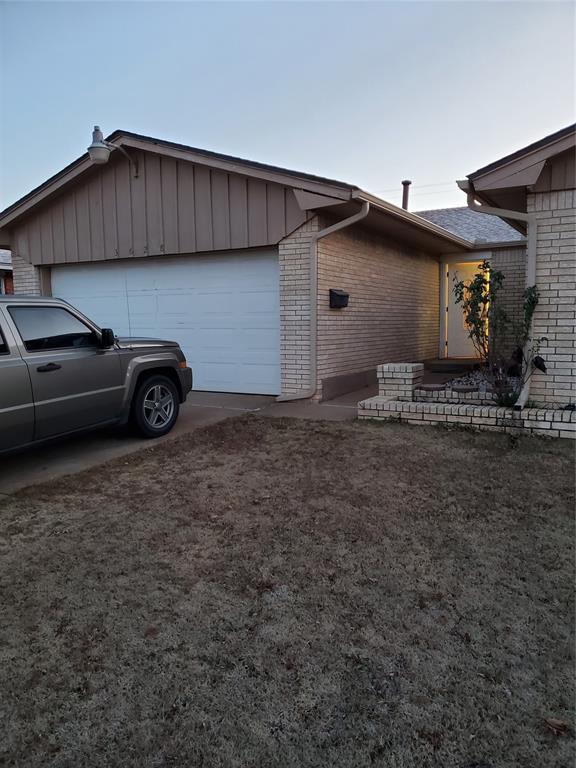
(155, 406)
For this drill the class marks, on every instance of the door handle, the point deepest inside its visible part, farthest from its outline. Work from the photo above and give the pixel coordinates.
(48, 367)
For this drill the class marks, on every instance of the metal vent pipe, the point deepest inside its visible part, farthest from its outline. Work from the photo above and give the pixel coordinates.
(405, 193)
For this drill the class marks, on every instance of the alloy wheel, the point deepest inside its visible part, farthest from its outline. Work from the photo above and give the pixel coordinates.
(158, 406)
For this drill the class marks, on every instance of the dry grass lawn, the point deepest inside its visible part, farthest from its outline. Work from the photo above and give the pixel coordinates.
(278, 593)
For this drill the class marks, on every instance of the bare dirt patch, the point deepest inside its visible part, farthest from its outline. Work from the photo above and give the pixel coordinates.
(287, 593)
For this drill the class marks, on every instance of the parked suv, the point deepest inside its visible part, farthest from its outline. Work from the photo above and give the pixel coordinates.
(60, 373)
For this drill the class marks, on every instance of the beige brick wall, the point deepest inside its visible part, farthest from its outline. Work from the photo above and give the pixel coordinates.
(529, 421)
(512, 263)
(555, 316)
(393, 315)
(27, 277)
(294, 261)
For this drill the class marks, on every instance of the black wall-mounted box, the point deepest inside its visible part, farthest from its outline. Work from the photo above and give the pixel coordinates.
(338, 299)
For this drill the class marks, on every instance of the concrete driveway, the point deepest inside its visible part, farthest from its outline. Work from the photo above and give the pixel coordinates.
(85, 451)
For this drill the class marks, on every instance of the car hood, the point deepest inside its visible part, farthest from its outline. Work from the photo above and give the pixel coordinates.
(133, 342)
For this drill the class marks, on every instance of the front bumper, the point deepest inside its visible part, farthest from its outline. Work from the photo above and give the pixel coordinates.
(185, 375)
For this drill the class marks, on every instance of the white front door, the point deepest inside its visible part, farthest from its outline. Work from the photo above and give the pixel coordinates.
(459, 342)
(223, 310)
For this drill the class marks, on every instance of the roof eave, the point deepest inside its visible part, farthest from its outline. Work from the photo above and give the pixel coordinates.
(489, 246)
(414, 219)
(466, 185)
(226, 162)
(127, 138)
(49, 187)
(559, 137)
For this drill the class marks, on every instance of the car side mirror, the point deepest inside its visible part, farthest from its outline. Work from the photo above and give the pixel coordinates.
(107, 337)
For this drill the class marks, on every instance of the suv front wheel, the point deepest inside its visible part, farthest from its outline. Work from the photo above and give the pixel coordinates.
(155, 406)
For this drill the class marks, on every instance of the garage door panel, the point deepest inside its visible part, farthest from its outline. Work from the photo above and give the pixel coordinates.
(260, 322)
(259, 343)
(223, 310)
(259, 304)
(105, 312)
(254, 374)
(175, 304)
(103, 301)
(213, 304)
(237, 378)
(214, 375)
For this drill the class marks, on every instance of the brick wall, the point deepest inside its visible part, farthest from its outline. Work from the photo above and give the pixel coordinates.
(512, 263)
(294, 261)
(393, 314)
(555, 315)
(528, 421)
(27, 277)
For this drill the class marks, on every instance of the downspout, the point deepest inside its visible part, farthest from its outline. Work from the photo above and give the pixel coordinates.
(313, 262)
(531, 235)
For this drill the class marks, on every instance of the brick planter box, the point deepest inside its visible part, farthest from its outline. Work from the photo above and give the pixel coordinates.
(448, 395)
(533, 421)
(400, 399)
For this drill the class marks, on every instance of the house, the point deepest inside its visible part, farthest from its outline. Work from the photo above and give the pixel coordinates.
(6, 282)
(273, 281)
(534, 190)
(235, 260)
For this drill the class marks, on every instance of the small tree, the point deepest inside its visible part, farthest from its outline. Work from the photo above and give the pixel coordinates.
(490, 329)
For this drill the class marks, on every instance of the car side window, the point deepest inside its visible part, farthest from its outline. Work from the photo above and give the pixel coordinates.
(46, 328)
(3, 346)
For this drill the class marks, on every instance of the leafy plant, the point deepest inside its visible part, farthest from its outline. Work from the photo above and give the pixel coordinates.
(490, 330)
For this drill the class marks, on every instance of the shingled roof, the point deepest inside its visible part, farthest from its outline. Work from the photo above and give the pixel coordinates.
(475, 227)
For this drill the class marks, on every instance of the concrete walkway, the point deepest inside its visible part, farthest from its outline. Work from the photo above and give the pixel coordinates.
(342, 408)
(75, 454)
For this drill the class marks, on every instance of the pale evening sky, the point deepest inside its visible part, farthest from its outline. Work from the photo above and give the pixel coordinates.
(369, 93)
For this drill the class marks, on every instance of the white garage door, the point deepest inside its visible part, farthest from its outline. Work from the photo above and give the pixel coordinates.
(223, 310)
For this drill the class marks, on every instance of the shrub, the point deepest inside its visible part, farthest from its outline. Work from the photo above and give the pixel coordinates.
(490, 328)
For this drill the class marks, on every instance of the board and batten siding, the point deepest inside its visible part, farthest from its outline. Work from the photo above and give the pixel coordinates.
(394, 309)
(559, 173)
(173, 207)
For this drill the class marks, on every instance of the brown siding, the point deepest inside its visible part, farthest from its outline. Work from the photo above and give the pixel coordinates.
(393, 314)
(559, 173)
(172, 207)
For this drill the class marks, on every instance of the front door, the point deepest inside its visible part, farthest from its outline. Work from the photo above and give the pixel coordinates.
(75, 383)
(459, 342)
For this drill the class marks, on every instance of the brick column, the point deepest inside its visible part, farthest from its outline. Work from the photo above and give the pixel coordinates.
(26, 277)
(294, 261)
(555, 315)
(397, 381)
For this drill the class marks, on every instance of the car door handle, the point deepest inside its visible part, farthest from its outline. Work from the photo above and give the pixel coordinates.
(49, 367)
